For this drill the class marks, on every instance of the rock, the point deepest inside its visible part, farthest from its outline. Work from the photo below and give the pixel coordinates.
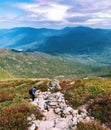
(32, 127)
(41, 104)
(50, 115)
(29, 118)
(54, 85)
(46, 125)
(83, 115)
(66, 111)
(87, 119)
(69, 117)
(62, 124)
(32, 116)
(74, 112)
(80, 119)
(79, 116)
(52, 104)
(62, 105)
(75, 120)
(55, 129)
(57, 110)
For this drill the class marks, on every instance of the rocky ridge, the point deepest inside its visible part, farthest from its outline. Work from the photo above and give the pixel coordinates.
(58, 115)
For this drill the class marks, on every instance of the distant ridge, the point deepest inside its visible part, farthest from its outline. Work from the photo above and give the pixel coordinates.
(70, 40)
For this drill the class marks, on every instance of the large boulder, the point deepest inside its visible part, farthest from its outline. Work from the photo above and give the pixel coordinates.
(54, 85)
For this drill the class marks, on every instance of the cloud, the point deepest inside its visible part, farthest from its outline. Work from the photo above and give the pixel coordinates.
(57, 13)
(45, 11)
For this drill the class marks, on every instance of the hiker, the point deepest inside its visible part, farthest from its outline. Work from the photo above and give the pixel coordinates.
(32, 93)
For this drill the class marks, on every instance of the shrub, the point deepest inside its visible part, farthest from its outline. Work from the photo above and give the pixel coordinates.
(6, 95)
(90, 126)
(43, 86)
(76, 93)
(101, 109)
(15, 117)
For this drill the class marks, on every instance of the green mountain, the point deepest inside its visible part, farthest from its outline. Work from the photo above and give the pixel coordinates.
(31, 65)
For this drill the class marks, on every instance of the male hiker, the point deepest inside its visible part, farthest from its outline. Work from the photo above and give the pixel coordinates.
(32, 93)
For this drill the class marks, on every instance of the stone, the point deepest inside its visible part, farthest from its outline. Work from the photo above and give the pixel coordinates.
(87, 119)
(69, 117)
(45, 125)
(57, 110)
(62, 125)
(74, 112)
(75, 120)
(50, 115)
(32, 127)
(80, 119)
(41, 104)
(55, 129)
(83, 115)
(52, 104)
(29, 118)
(54, 85)
(32, 116)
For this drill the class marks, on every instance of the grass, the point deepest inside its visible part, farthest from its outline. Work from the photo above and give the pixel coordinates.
(14, 107)
(80, 91)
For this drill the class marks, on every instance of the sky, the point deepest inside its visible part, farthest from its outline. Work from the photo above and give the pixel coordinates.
(55, 13)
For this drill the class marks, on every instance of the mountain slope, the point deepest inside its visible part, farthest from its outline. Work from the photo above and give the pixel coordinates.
(4, 74)
(31, 65)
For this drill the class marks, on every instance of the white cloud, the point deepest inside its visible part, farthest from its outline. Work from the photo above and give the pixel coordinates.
(51, 12)
(106, 14)
(59, 13)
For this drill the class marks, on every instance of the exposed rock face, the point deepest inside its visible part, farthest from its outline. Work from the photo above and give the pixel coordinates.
(57, 114)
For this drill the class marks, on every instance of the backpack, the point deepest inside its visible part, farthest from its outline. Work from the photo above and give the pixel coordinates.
(30, 91)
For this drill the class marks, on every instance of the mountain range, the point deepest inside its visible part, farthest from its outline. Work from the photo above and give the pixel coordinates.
(71, 51)
(68, 40)
(79, 41)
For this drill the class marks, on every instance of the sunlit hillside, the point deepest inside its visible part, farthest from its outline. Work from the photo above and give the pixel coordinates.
(25, 64)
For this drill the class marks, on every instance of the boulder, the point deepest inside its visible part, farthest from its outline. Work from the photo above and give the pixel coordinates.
(32, 127)
(54, 85)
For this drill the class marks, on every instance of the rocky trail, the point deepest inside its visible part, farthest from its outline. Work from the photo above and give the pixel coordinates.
(58, 115)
